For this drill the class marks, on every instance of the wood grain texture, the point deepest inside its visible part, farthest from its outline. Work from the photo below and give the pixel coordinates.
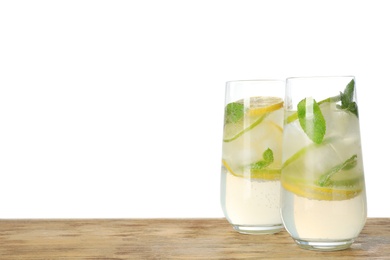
(168, 239)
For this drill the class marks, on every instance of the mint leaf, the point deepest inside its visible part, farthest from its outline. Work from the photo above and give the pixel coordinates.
(311, 119)
(268, 155)
(324, 179)
(347, 95)
(346, 98)
(268, 158)
(234, 112)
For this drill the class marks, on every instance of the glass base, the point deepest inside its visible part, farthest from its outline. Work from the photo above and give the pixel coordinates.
(258, 230)
(324, 245)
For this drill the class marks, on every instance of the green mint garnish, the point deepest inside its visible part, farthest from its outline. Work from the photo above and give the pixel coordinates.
(324, 180)
(268, 158)
(311, 120)
(346, 98)
(234, 112)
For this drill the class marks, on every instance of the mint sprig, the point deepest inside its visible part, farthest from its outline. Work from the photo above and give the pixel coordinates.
(268, 158)
(347, 98)
(234, 112)
(325, 179)
(311, 119)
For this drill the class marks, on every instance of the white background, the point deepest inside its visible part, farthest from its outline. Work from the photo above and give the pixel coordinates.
(115, 108)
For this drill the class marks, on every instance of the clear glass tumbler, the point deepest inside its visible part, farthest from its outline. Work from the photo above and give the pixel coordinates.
(323, 198)
(252, 155)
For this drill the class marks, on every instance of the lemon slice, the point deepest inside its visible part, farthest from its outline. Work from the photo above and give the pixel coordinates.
(312, 191)
(268, 174)
(256, 110)
(261, 105)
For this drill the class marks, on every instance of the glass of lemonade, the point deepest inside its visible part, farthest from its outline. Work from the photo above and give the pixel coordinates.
(252, 155)
(323, 197)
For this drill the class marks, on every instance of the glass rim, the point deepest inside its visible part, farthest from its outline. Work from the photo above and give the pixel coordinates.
(320, 77)
(255, 80)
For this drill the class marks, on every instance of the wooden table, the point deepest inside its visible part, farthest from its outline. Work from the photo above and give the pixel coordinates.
(168, 239)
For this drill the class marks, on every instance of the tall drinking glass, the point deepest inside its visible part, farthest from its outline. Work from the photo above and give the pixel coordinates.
(323, 198)
(252, 155)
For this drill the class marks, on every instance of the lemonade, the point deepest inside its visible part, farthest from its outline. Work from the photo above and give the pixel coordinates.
(323, 191)
(251, 164)
(310, 219)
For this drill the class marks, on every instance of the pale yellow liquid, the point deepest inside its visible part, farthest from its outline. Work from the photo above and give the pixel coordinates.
(251, 202)
(310, 219)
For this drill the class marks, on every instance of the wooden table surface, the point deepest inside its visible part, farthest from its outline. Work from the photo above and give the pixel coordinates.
(168, 239)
